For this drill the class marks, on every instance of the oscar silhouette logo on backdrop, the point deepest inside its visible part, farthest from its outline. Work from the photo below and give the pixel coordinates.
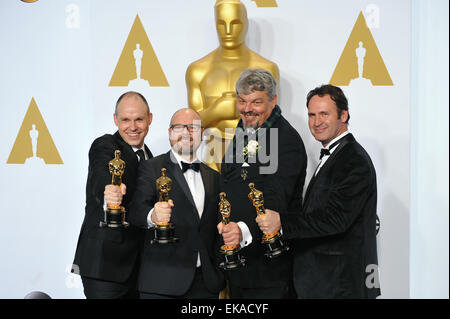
(34, 143)
(361, 61)
(138, 65)
(266, 3)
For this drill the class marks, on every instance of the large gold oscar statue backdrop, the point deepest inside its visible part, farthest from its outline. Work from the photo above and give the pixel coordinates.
(211, 80)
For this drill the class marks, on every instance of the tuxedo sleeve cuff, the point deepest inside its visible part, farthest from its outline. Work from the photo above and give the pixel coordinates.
(149, 219)
(246, 235)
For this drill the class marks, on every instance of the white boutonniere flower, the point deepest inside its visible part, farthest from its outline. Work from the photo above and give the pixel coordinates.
(251, 149)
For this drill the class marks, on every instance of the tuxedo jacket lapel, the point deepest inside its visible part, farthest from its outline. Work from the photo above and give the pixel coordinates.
(208, 184)
(311, 183)
(174, 168)
(345, 140)
(150, 155)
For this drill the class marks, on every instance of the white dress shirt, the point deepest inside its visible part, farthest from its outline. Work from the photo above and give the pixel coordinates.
(196, 187)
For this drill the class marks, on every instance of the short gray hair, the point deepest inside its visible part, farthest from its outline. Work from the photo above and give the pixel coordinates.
(256, 80)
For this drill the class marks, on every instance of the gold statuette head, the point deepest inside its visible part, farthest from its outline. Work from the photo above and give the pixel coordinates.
(231, 23)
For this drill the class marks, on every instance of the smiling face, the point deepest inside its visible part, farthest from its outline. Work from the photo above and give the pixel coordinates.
(185, 132)
(324, 121)
(231, 24)
(255, 108)
(133, 120)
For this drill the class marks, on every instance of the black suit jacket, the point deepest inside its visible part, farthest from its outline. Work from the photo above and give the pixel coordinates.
(106, 253)
(336, 230)
(282, 189)
(169, 269)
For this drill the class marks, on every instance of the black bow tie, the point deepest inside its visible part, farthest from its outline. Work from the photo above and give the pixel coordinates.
(141, 155)
(195, 166)
(326, 151)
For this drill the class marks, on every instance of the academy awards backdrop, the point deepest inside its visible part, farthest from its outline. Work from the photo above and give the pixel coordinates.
(64, 64)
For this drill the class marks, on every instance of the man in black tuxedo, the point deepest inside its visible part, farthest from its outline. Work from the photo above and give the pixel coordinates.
(107, 259)
(187, 268)
(267, 151)
(335, 247)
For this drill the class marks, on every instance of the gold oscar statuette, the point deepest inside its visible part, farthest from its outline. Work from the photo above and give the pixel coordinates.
(164, 232)
(115, 214)
(211, 80)
(231, 254)
(274, 245)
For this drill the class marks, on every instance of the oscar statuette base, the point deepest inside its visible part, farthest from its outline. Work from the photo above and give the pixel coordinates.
(115, 218)
(274, 246)
(232, 258)
(164, 234)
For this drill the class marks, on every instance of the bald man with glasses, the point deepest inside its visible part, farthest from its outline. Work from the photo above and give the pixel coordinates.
(187, 268)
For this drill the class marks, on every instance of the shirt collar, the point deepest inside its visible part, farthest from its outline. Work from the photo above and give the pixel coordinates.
(336, 139)
(135, 149)
(181, 159)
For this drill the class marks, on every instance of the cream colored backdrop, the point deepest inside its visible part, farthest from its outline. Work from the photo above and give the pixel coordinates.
(65, 54)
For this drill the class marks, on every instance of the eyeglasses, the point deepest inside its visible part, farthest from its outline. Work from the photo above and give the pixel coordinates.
(178, 128)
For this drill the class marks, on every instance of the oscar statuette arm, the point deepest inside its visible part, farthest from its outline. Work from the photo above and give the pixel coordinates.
(195, 98)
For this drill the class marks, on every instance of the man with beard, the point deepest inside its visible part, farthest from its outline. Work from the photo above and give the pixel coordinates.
(267, 151)
(187, 268)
